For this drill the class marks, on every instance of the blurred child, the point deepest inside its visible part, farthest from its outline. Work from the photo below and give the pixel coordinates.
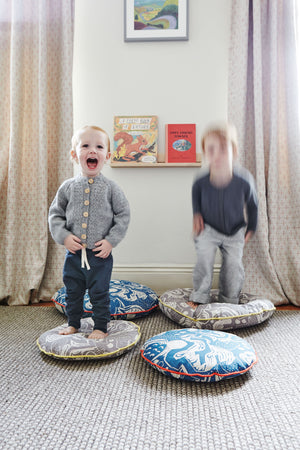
(89, 216)
(220, 197)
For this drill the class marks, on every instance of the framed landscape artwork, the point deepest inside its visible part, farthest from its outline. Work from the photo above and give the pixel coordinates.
(155, 20)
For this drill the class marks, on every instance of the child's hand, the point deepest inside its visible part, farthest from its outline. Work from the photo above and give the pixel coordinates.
(248, 236)
(104, 248)
(198, 224)
(72, 243)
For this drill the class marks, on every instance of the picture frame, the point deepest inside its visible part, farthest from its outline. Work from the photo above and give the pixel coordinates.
(149, 20)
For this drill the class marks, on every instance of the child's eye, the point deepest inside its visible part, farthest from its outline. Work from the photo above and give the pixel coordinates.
(99, 146)
(85, 145)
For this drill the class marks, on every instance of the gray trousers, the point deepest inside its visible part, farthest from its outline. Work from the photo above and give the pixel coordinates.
(232, 271)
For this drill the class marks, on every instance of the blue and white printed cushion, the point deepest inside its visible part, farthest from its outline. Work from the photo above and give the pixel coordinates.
(59, 299)
(128, 300)
(251, 310)
(199, 355)
(122, 337)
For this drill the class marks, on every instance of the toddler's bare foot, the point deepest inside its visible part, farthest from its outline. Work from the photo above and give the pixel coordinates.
(193, 304)
(97, 334)
(68, 330)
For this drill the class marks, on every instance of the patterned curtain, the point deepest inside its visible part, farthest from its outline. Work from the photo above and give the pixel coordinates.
(264, 105)
(36, 47)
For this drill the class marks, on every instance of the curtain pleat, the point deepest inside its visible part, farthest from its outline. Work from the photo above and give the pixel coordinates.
(264, 104)
(36, 120)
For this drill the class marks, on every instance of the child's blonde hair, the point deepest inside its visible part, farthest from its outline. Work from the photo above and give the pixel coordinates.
(75, 139)
(226, 132)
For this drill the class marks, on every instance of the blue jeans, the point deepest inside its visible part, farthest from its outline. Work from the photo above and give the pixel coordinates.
(232, 273)
(96, 280)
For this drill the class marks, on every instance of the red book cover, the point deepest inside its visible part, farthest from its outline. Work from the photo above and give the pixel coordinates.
(181, 143)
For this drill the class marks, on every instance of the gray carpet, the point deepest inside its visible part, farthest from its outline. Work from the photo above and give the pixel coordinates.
(125, 404)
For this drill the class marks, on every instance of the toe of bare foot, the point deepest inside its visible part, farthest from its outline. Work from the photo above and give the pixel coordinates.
(98, 334)
(68, 330)
(192, 304)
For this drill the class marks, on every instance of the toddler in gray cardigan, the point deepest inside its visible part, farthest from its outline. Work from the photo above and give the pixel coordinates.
(89, 216)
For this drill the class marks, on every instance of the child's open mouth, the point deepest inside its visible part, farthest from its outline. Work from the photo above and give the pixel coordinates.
(92, 163)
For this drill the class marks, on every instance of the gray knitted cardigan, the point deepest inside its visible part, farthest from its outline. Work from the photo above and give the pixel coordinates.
(90, 208)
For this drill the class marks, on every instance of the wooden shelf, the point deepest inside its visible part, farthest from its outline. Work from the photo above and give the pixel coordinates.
(154, 165)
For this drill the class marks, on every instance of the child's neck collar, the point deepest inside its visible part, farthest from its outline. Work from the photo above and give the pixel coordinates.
(88, 177)
(220, 179)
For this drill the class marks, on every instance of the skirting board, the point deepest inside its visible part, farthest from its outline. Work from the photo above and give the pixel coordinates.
(161, 278)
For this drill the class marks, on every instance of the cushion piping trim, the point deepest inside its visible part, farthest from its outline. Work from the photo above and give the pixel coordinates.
(134, 312)
(117, 314)
(207, 319)
(226, 375)
(103, 355)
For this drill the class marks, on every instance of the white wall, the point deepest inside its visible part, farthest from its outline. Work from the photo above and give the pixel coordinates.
(180, 81)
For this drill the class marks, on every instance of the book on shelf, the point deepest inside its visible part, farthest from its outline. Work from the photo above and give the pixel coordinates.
(180, 143)
(135, 139)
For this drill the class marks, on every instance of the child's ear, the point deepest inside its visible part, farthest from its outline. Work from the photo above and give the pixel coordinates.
(74, 156)
(108, 155)
(234, 152)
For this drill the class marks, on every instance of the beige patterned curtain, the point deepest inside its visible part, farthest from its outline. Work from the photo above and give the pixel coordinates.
(264, 105)
(36, 46)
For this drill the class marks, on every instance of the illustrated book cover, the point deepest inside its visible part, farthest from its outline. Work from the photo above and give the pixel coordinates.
(180, 143)
(135, 139)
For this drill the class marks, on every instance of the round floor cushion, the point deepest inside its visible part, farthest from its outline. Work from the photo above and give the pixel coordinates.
(251, 310)
(128, 300)
(199, 355)
(122, 337)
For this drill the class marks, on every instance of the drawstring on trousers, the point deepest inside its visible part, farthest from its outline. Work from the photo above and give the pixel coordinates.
(84, 260)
